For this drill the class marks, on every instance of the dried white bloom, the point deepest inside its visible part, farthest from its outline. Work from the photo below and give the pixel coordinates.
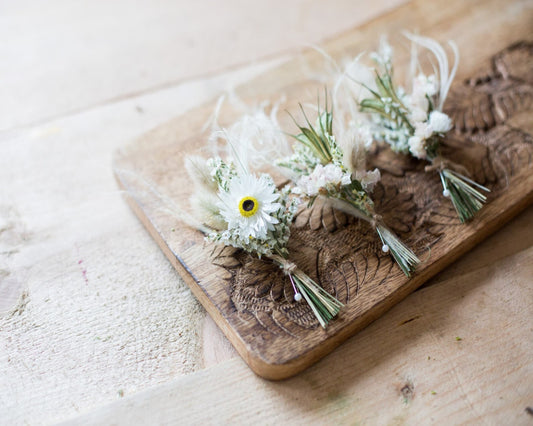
(418, 114)
(440, 122)
(368, 178)
(323, 177)
(249, 206)
(423, 130)
(425, 85)
(417, 146)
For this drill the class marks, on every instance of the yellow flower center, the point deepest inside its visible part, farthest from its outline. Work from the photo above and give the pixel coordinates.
(248, 206)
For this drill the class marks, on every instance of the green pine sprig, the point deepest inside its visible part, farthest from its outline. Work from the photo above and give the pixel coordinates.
(325, 307)
(404, 257)
(320, 140)
(317, 138)
(464, 193)
(387, 103)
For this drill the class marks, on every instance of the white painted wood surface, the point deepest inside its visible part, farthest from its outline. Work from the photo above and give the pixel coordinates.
(60, 57)
(82, 79)
(452, 353)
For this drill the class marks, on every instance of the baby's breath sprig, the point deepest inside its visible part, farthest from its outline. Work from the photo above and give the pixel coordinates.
(322, 168)
(242, 210)
(414, 124)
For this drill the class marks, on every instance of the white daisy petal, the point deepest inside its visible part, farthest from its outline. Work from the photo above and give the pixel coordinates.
(248, 206)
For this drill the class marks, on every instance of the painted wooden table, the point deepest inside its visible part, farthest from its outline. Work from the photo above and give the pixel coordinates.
(83, 80)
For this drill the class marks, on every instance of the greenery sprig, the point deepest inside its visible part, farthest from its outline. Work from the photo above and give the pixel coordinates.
(242, 210)
(414, 124)
(320, 166)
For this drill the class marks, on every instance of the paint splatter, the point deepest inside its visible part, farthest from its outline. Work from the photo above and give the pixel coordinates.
(83, 271)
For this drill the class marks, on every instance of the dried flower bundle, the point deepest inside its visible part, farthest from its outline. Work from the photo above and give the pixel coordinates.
(413, 123)
(242, 210)
(324, 167)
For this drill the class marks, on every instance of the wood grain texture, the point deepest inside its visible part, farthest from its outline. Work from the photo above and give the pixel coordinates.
(250, 299)
(455, 353)
(93, 54)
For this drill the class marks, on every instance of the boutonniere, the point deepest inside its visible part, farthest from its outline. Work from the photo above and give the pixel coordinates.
(322, 166)
(240, 209)
(413, 122)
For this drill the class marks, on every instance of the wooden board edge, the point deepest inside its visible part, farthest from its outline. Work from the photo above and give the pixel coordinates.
(280, 371)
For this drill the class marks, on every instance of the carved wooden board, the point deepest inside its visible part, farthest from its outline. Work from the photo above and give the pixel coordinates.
(250, 299)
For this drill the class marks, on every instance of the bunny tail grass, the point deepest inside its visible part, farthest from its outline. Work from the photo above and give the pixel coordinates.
(325, 307)
(404, 257)
(464, 193)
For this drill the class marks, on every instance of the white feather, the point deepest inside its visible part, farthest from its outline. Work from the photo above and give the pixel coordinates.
(446, 75)
(168, 204)
(255, 140)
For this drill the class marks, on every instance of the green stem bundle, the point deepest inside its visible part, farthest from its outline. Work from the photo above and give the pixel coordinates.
(403, 255)
(324, 306)
(463, 193)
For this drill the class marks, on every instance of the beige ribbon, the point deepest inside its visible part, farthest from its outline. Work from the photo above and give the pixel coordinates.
(439, 164)
(377, 220)
(287, 266)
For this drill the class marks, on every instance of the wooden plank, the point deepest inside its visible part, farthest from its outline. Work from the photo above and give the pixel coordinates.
(61, 215)
(453, 353)
(275, 337)
(27, 156)
(514, 237)
(59, 204)
(63, 57)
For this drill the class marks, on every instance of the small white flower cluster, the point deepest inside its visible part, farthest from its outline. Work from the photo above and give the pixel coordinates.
(326, 178)
(421, 122)
(384, 55)
(221, 172)
(410, 122)
(255, 214)
(322, 166)
(303, 161)
(437, 124)
(425, 121)
(396, 135)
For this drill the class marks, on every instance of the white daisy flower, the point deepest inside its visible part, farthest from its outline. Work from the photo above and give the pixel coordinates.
(248, 206)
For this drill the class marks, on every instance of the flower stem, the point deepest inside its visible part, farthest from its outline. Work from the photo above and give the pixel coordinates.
(403, 255)
(324, 306)
(463, 193)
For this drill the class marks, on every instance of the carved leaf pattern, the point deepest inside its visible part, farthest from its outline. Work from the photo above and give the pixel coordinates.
(488, 100)
(343, 254)
(261, 286)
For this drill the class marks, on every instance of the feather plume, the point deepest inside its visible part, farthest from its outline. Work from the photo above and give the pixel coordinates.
(446, 75)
